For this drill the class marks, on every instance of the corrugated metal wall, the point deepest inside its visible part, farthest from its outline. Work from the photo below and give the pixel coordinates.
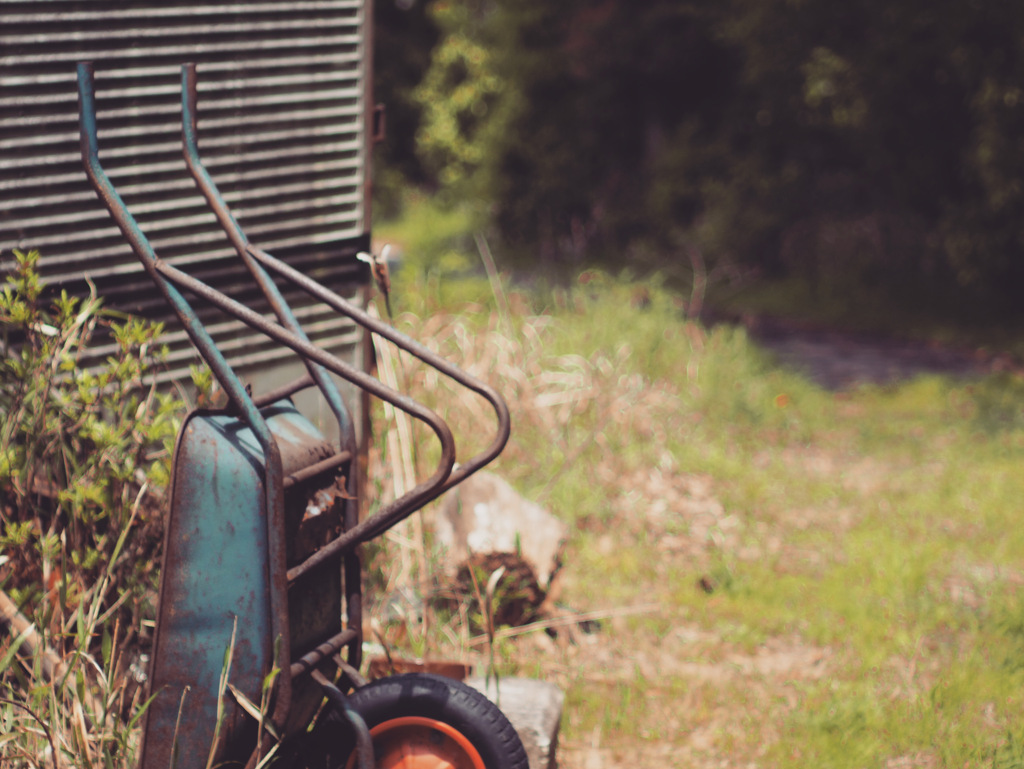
(283, 90)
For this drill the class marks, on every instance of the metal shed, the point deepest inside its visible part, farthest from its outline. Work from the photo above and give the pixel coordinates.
(284, 125)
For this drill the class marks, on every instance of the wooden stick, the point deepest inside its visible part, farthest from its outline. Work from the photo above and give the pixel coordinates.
(53, 666)
(19, 626)
(572, 619)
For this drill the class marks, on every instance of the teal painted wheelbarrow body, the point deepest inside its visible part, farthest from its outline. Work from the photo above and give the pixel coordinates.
(215, 594)
(260, 609)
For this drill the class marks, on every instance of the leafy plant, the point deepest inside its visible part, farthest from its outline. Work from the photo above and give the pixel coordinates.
(784, 576)
(84, 457)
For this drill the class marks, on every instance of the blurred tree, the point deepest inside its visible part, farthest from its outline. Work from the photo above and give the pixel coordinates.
(598, 94)
(899, 122)
(404, 37)
(864, 142)
(457, 99)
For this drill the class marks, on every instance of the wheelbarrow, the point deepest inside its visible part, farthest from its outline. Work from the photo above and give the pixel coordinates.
(258, 639)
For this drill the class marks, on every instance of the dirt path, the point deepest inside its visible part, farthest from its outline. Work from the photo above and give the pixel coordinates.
(673, 691)
(840, 360)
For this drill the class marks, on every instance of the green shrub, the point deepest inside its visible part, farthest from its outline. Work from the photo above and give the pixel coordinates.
(81, 452)
(84, 459)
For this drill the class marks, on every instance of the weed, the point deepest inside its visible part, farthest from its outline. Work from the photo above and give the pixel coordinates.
(862, 549)
(84, 457)
(1010, 755)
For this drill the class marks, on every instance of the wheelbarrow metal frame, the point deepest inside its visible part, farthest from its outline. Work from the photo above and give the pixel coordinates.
(254, 423)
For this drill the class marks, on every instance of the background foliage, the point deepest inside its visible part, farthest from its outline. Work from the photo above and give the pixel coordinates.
(864, 144)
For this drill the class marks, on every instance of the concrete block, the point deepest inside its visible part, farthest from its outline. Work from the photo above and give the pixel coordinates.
(535, 710)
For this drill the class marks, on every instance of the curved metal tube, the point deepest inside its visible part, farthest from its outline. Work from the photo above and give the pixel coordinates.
(274, 491)
(168, 279)
(256, 260)
(413, 347)
(190, 150)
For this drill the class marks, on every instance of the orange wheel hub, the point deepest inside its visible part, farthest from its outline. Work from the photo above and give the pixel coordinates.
(413, 742)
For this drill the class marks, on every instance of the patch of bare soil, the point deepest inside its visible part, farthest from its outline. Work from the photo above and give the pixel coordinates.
(705, 701)
(841, 361)
(678, 511)
(706, 698)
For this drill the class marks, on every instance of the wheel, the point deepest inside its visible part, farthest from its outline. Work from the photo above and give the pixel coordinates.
(421, 721)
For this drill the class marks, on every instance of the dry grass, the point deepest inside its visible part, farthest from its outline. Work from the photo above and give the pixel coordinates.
(770, 576)
(808, 577)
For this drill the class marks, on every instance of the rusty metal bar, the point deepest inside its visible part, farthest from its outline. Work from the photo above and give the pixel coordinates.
(352, 574)
(282, 392)
(328, 648)
(274, 493)
(206, 185)
(350, 672)
(413, 347)
(311, 471)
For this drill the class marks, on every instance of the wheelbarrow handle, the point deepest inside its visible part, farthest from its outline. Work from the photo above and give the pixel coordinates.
(169, 279)
(258, 262)
(163, 276)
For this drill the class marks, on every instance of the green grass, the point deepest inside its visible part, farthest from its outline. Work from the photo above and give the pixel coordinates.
(786, 577)
(864, 550)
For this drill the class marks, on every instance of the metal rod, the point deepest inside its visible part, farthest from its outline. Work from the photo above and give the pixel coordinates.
(364, 745)
(311, 471)
(328, 648)
(350, 672)
(352, 573)
(206, 185)
(413, 347)
(282, 392)
(274, 497)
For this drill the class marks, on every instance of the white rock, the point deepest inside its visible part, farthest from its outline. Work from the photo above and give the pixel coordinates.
(484, 514)
(534, 709)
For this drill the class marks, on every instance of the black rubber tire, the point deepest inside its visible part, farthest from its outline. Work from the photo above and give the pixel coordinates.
(421, 694)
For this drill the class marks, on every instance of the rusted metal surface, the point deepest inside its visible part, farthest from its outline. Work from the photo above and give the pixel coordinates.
(332, 462)
(328, 648)
(217, 524)
(273, 501)
(282, 392)
(262, 507)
